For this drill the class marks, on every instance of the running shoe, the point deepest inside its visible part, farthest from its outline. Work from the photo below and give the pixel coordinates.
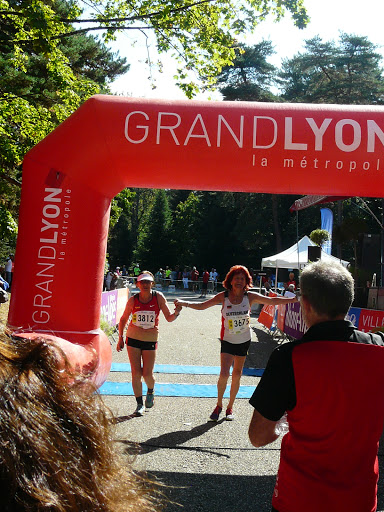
(216, 413)
(149, 400)
(140, 409)
(229, 415)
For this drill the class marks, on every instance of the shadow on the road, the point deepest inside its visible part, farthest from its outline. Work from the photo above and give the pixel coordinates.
(191, 492)
(120, 419)
(175, 440)
(261, 349)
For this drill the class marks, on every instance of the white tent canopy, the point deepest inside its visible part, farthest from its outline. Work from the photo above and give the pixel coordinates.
(297, 256)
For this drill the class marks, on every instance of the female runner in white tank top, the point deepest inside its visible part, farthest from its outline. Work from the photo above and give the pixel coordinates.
(235, 334)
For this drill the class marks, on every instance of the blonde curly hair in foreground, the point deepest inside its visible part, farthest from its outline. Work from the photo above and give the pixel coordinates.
(57, 451)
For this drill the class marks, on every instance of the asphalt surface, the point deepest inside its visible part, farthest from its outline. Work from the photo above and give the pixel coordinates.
(205, 466)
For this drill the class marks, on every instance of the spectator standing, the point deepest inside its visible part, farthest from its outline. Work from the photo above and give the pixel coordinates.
(213, 276)
(291, 280)
(204, 285)
(179, 277)
(9, 270)
(167, 276)
(159, 276)
(194, 279)
(174, 276)
(330, 386)
(108, 280)
(186, 275)
(115, 277)
(266, 282)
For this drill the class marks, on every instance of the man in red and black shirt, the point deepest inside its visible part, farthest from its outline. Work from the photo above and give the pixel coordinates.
(204, 286)
(330, 385)
(194, 278)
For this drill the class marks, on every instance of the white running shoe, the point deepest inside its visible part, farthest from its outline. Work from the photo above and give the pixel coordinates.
(140, 409)
(229, 416)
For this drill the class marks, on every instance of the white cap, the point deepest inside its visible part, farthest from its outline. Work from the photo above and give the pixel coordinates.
(145, 277)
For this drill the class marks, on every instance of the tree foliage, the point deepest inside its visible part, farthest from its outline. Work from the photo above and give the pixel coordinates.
(347, 72)
(185, 232)
(154, 244)
(43, 79)
(319, 236)
(200, 34)
(250, 77)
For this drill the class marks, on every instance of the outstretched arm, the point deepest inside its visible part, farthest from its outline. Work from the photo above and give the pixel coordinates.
(163, 305)
(273, 301)
(200, 306)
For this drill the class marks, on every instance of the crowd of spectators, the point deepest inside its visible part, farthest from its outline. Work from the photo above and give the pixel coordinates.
(189, 278)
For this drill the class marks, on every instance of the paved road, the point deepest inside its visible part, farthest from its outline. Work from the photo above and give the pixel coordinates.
(208, 467)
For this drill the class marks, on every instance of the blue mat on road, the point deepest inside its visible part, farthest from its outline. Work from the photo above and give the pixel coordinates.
(180, 390)
(191, 370)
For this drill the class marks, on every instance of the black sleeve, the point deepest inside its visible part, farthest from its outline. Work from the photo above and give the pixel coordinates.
(276, 393)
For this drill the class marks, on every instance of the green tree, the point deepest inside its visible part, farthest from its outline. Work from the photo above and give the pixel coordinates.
(42, 82)
(8, 233)
(347, 72)
(349, 232)
(155, 237)
(200, 34)
(185, 234)
(319, 236)
(129, 217)
(250, 77)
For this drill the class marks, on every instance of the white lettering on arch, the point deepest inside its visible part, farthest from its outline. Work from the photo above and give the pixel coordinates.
(318, 131)
(52, 196)
(339, 135)
(288, 141)
(274, 137)
(203, 135)
(221, 120)
(373, 129)
(51, 211)
(171, 128)
(142, 127)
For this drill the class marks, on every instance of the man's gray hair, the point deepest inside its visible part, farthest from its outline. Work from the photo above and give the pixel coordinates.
(329, 288)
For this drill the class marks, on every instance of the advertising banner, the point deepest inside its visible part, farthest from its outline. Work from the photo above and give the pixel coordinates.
(291, 322)
(371, 320)
(354, 316)
(113, 305)
(294, 324)
(267, 314)
(122, 297)
(109, 306)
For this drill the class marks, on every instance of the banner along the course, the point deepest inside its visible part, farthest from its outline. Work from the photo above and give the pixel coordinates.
(111, 143)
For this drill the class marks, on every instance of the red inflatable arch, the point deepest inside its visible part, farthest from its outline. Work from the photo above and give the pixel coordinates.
(110, 143)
